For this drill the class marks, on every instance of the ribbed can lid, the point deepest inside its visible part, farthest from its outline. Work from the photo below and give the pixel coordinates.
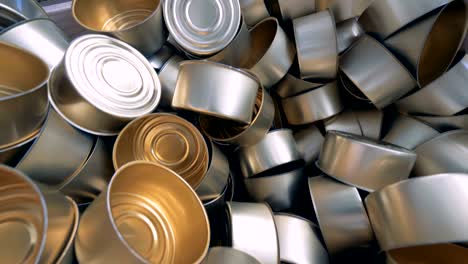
(112, 76)
(202, 27)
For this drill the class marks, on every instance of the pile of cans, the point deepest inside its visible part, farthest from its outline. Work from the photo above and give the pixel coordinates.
(233, 131)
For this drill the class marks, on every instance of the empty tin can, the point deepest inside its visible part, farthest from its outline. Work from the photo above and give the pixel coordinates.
(57, 153)
(290, 86)
(23, 101)
(167, 140)
(228, 132)
(168, 77)
(299, 240)
(146, 215)
(113, 82)
(42, 37)
(253, 230)
(36, 221)
(277, 148)
(253, 11)
(381, 89)
(137, 22)
(232, 91)
(14, 11)
(362, 162)
(316, 45)
(228, 255)
(202, 28)
(271, 53)
(88, 181)
(341, 214)
(314, 105)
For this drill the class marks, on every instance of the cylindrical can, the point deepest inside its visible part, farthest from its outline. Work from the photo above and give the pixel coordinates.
(139, 22)
(202, 28)
(42, 37)
(232, 91)
(167, 140)
(143, 196)
(57, 153)
(112, 82)
(23, 101)
(14, 11)
(39, 219)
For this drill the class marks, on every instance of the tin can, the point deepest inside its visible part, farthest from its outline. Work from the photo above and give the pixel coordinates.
(23, 101)
(139, 23)
(206, 27)
(113, 82)
(133, 204)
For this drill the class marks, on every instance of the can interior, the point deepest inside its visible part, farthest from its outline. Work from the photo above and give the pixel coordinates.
(162, 218)
(14, 66)
(21, 219)
(441, 46)
(262, 36)
(112, 15)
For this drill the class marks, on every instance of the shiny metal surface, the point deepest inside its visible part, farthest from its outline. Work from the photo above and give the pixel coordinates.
(23, 101)
(159, 59)
(57, 153)
(362, 162)
(414, 213)
(40, 220)
(168, 78)
(409, 42)
(137, 22)
(280, 191)
(42, 37)
(68, 252)
(430, 254)
(446, 123)
(10, 156)
(291, 86)
(409, 133)
(381, 89)
(167, 140)
(253, 231)
(232, 133)
(446, 94)
(232, 91)
(316, 45)
(290, 10)
(348, 32)
(235, 53)
(228, 255)
(299, 240)
(443, 42)
(314, 105)
(371, 122)
(60, 12)
(309, 142)
(384, 17)
(87, 182)
(271, 54)
(112, 82)
(343, 9)
(217, 176)
(340, 213)
(14, 11)
(253, 11)
(345, 121)
(202, 27)
(143, 196)
(443, 154)
(277, 148)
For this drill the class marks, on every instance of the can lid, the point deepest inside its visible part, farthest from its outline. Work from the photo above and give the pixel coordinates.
(113, 76)
(202, 27)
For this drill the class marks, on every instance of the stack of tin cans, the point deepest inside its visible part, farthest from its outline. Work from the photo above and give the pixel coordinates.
(233, 131)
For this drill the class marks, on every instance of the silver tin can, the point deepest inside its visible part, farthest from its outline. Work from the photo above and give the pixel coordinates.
(202, 27)
(113, 82)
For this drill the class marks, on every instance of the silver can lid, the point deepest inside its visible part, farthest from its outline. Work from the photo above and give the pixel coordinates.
(202, 27)
(112, 76)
